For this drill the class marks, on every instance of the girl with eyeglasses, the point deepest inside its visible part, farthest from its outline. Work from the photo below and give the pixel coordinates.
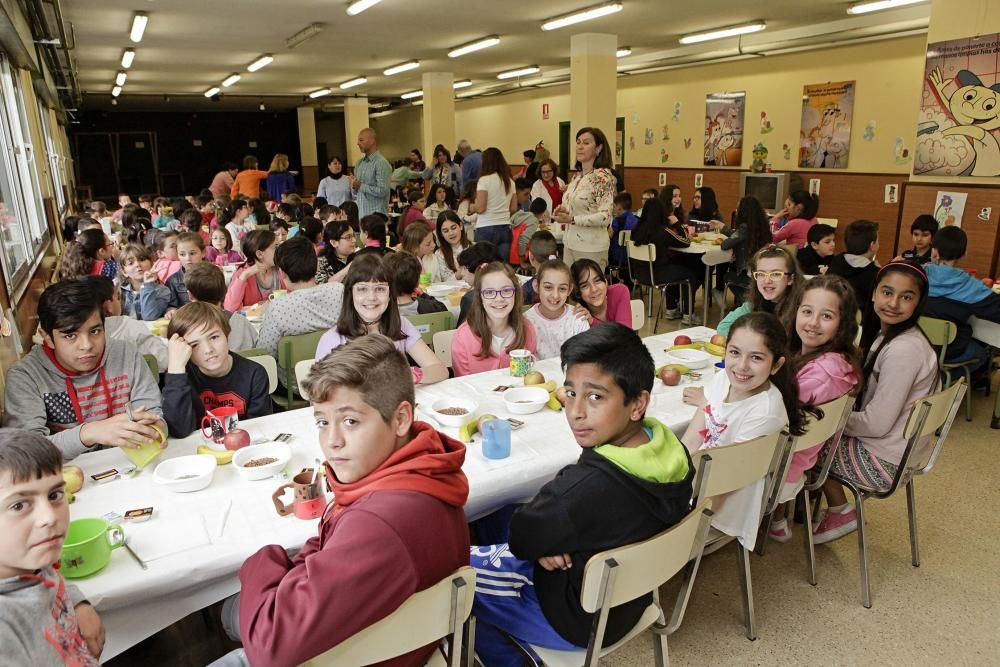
(92, 254)
(495, 326)
(776, 282)
(339, 245)
(370, 308)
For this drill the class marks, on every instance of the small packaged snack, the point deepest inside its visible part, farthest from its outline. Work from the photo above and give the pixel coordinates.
(139, 515)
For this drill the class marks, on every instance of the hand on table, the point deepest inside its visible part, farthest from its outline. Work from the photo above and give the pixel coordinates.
(119, 431)
(91, 628)
(178, 354)
(559, 562)
(716, 225)
(695, 396)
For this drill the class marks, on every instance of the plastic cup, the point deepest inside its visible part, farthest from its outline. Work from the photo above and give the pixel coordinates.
(496, 439)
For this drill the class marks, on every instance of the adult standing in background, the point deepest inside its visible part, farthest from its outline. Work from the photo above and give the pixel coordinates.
(279, 179)
(370, 180)
(443, 172)
(335, 188)
(549, 187)
(247, 182)
(223, 181)
(588, 202)
(472, 161)
(417, 160)
(529, 157)
(495, 201)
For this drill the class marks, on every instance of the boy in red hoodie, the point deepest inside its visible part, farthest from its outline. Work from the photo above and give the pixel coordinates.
(396, 526)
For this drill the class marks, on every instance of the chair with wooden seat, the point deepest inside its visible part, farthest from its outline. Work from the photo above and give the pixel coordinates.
(617, 576)
(442, 346)
(270, 367)
(291, 350)
(642, 272)
(926, 429)
(941, 334)
(441, 611)
(638, 314)
(429, 324)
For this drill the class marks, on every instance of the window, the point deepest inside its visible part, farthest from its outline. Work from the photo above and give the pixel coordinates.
(20, 126)
(55, 161)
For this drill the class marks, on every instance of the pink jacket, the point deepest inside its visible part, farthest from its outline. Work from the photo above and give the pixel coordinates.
(823, 379)
(794, 232)
(465, 347)
(244, 293)
(165, 268)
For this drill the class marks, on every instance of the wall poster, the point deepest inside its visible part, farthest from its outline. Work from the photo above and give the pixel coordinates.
(724, 129)
(825, 133)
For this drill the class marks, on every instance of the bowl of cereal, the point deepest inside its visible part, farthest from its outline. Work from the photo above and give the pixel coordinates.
(183, 474)
(454, 411)
(261, 461)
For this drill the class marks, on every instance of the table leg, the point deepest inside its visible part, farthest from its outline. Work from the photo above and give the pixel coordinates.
(706, 290)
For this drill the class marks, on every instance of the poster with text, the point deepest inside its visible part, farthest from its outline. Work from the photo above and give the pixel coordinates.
(825, 133)
(959, 124)
(724, 129)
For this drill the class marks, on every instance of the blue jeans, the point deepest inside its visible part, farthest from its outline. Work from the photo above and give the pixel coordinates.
(973, 351)
(231, 624)
(506, 604)
(498, 235)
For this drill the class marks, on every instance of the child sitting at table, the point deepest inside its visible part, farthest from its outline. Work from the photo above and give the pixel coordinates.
(496, 324)
(221, 251)
(120, 327)
(821, 245)
(142, 295)
(477, 256)
(418, 240)
(596, 300)
(553, 319)
(624, 221)
(857, 266)
(632, 481)
(92, 254)
(206, 282)
(254, 281)
(44, 622)
(922, 231)
(164, 244)
(190, 251)
(74, 388)
(776, 280)
(404, 269)
(451, 241)
(370, 308)
(671, 264)
(202, 373)
(396, 525)
(542, 246)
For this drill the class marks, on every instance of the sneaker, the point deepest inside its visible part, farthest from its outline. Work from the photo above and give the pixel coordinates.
(691, 320)
(672, 313)
(835, 525)
(780, 532)
(718, 296)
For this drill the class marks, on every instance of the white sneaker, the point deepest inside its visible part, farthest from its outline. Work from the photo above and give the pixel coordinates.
(671, 313)
(691, 320)
(718, 296)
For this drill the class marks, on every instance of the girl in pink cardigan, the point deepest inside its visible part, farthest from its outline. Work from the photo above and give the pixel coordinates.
(495, 326)
(258, 277)
(798, 215)
(596, 300)
(826, 365)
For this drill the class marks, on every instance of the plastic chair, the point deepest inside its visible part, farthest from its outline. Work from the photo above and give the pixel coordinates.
(723, 470)
(638, 313)
(302, 369)
(616, 576)
(154, 365)
(941, 334)
(252, 352)
(929, 416)
(430, 323)
(443, 610)
(615, 270)
(291, 350)
(442, 345)
(270, 366)
(646, 254)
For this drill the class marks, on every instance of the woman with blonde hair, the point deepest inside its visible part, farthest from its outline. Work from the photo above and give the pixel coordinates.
(279, 179)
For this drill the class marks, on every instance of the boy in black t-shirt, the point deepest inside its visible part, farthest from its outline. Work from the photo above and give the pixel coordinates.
(922, 232)
(821, 241)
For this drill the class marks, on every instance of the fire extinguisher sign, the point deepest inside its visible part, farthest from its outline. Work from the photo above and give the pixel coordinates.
(545, 111)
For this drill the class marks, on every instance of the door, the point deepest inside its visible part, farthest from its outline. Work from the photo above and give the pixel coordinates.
(564, 149)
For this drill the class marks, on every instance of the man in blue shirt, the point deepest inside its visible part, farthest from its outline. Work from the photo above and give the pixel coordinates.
(472, 162)
(370, 180)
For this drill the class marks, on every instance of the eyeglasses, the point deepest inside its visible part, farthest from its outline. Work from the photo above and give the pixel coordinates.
(489, 293)
(347, 237)
(364, 290)
(546, 171)
(773, 275)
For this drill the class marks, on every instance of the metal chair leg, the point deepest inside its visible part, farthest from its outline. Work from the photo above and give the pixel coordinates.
(866, 591)
(747, 585)
(911, 506)
(968, 394)
(810, 547)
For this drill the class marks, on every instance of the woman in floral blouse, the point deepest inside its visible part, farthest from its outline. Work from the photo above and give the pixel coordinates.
(588, 202)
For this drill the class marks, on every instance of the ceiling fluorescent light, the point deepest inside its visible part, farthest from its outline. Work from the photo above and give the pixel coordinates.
(260, 63)
(230, 80)
(120, 78)
(116, 91)
(581, 16)
(319, 93)
(402, 67)
(413, 93)
(524, 71)
(138, 26)
(128, 55)
(722, 33)
(211, 92)
(359, 6)
(623, 52)
(484, 43)
(353, 82)
(464, 83)
(308, 32)
(866, 7)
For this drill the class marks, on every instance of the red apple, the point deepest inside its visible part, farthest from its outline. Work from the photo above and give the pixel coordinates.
(718, 339)
(670, 376)
(682, 340)
(236, 439)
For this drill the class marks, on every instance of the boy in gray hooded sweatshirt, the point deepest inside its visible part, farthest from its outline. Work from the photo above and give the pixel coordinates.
(74, 388)
(43, 621)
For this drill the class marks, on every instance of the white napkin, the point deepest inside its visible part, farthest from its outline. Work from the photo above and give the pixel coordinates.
(159, 538)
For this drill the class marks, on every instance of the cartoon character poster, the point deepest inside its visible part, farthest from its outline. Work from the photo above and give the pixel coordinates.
(724, 129)
(958, 131)
(825, 133)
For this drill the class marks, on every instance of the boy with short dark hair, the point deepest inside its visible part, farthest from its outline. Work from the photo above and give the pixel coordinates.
(202, 373)
(821, 242)
(541, 248)
(857, 266)
(523, 224)
(121, 327)
(44, 622)
(404, 268)
(74, 388)
(624, 220)
(469, 261)
(954, 295)
(633, 481)
(922, 231)
(522, 192)
(397, 525)
(206, 282)
(190, 251)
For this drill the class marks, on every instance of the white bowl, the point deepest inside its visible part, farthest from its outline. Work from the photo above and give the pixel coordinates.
(276, 450)
(469, 405)
(440, 289)
(201, 466)
(525, 400)
(690, 358)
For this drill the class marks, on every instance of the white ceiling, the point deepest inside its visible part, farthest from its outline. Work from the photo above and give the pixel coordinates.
(191, 45)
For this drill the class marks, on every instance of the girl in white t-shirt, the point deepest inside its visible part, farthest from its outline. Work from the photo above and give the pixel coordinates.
(552, 318)
(756, 395)
(495, 201)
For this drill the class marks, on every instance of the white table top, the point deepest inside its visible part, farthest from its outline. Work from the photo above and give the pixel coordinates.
(985, 331)
(205, 562)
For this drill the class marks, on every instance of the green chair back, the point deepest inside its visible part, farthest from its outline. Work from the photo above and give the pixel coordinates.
(154, 366)
(430, 323)
(291, 350)
(253, 352)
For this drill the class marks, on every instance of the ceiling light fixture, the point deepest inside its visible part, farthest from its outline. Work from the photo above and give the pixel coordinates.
(320, 93)
(581, 16)
(230, 80)
(413, 93)
(116, 91)
(523, 71)
(866, 7)
(478, 45)
(359, 6)
(138, 26)
(120, 78)
(722, 33)
(464, 83)
(212, 91)
(623, 52)
(128, 55)
(308, 32)
(353, 82)
(260, 63)
(402, 67)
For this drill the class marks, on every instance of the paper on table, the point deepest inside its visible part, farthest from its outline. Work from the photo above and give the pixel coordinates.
(520, 451)
(164, 537)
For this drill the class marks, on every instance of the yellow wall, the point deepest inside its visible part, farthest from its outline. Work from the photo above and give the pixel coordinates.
(399, 133)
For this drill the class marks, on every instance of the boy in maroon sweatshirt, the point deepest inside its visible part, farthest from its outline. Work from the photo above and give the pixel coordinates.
(396, 527)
